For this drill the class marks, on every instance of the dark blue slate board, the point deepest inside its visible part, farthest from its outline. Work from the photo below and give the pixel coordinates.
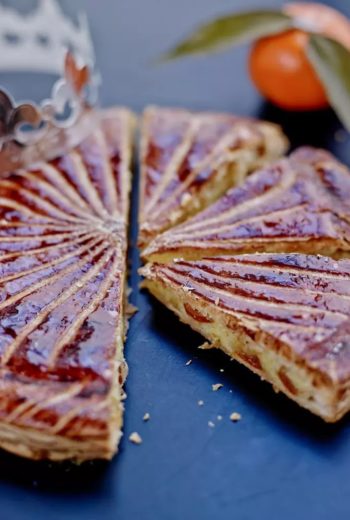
(279, 462)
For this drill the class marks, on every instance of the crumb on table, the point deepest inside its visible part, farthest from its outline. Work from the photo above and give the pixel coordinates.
(235, 416)
(135, 438)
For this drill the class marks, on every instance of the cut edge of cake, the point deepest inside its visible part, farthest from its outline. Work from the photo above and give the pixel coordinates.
(318, 381)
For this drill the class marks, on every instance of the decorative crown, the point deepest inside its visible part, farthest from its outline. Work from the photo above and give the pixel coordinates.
(45, 41)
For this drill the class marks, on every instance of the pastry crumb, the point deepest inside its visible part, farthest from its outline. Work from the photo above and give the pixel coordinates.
(219, 417)
(235, 417)
(185, 199)
(211, 424)
(188, 362)
(216, 387)
(200, 402)
(135, 438)
(146, 417)
(130, 310)
(205, 346)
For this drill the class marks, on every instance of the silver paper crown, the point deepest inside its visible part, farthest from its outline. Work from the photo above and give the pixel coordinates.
(46, 42)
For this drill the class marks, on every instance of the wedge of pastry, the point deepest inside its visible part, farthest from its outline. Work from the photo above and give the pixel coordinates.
(285, 316)
(188, 160)
(299, 204)
(63, 242)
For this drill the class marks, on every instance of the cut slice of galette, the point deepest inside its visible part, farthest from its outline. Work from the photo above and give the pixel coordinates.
(189, 159)
(63, 244)
(284, 316)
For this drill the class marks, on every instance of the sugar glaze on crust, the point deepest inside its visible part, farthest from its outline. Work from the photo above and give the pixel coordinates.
(299, 204)
(63, 242)
(188, 160)
(284, 316)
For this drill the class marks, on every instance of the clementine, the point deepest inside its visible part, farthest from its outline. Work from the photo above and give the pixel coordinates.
(279, 66)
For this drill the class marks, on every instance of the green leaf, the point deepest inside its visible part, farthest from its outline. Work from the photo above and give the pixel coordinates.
(331, 62)
(231, 30)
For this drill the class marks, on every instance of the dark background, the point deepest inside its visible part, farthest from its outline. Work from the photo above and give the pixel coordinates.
(278, 462)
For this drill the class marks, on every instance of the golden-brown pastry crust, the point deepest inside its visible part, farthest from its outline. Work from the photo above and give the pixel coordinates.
(63, 243)
(300, 204)
(286, 317)
(189, 159)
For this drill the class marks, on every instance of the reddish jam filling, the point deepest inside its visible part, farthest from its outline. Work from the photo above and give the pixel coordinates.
(251, 360)
(287, 382)
(196, 315)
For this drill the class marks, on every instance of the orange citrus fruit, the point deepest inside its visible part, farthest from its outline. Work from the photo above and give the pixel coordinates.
(278, 63)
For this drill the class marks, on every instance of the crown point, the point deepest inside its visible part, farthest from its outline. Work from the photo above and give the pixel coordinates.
(44, 33)
(31, 132)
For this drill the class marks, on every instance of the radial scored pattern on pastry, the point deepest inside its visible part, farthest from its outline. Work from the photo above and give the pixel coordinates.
(298, 204)
(284, 316)
(188, 160)
(63, 243)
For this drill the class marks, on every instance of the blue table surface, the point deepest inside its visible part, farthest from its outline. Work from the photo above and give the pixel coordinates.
(278, 462)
